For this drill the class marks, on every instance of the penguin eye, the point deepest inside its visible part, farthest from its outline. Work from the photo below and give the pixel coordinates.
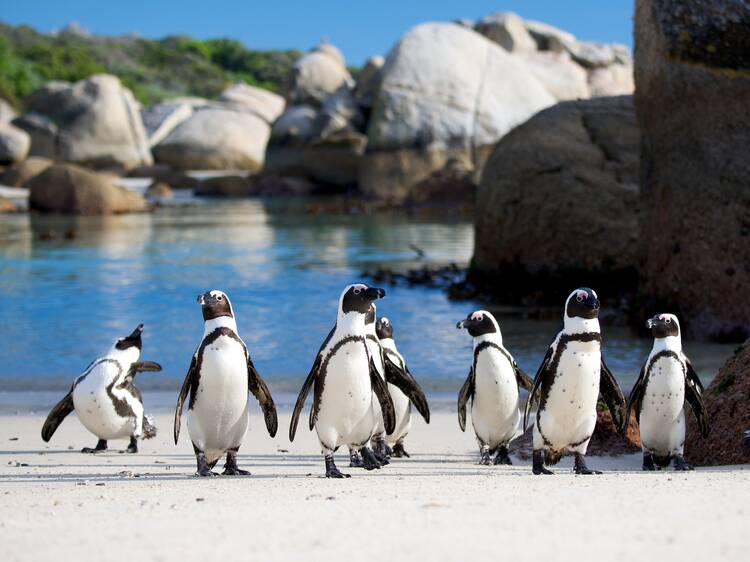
(668, 320)
(579, 297)
(219, 298)
(357, 291)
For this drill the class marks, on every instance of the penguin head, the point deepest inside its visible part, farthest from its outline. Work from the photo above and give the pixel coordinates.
(664, 326)
(479, 323)
(358, 298)
(131, 341)
(582, 303)
(384, 328)
(215, 304)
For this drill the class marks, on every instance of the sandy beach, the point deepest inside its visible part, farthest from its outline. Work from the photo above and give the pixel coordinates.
(60, 504)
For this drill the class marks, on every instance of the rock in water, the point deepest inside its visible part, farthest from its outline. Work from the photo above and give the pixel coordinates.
(98, 122)
(7, 113)
(446, 93)
(70, 189)
(726, 400)
(20, 174)
(692, 71)
(14, 144)
(559, 199)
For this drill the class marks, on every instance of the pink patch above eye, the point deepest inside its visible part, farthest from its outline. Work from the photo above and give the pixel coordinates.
(477, 316)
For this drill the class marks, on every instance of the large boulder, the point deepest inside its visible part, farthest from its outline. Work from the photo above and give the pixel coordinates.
(558, 202)
(216, 138)
(20, 174)
(14, 144)
(316, 75)
(98, 121)
(43, 133)
(7, 113)
(726, 400)
(70, 189)
(447, 93)
(692, 72)
(162, 118)
(507, 30)
(613, 80)
(562, 77)
(264, 103)
(368, 82)
(548, 37)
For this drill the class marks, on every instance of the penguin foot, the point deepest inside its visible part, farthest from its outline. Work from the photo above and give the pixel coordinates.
(101, 445)
(648, 462)
(234, 471)
(355, 461)
(382, 459)
(580, 467)
(381, 449)
(203, 468)
(369, 460)
(398, 451)
(502, 456)
(133, 446)
(332, 471)
(486, 459)
(537, 466)
(205, 471)
(681, 464)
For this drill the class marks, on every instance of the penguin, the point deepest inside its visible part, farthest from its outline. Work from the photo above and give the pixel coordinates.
(346, 385)
(493, 386)
(377, 441)
(217, 383)
(568, 383)
(105, 398)
(403, 388)
(666, 383)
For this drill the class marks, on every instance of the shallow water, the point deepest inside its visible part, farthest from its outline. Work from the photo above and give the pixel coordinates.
(66, 299)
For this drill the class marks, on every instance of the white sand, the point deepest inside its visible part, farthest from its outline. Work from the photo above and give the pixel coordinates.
(439, 505)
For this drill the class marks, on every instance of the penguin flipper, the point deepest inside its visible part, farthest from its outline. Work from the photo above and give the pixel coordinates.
(141, 367)
(380, 388)
(610, 392)
(635, 399)
(57, 415)
(187, 386)
(466, 392)
(537, 385)
(694, 397)
(304, 391)
(524, 381)
(405, 382)
(260, 390)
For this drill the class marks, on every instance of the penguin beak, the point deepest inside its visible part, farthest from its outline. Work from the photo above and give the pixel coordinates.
(650, 323)
(592, 302)
(460, 325)
(374, 293)
(134, 339)
(205, 298)
(136, 333)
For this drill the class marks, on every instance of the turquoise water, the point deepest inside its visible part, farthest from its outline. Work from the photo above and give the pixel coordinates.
(71, 285)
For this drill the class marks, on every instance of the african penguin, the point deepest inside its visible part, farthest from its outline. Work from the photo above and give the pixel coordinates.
(493, 386)
(401, 402)
(379, 446)
(666, 383)
(567, 386)
(346, 384)
(218, 381)
(105, 398)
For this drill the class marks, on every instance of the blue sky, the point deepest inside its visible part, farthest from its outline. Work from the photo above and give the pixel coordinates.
(358, 28)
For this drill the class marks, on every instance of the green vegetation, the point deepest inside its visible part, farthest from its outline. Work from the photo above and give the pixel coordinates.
(154, 69)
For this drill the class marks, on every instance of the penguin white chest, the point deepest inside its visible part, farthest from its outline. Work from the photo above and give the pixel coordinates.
(662, 419)
(219, 417)
(569, 414)
(345, 415)
(494, 410)
(95, 398)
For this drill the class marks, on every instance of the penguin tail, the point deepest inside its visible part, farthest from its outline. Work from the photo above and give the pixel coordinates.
(551, 458)
(662, 460)
(149, 429)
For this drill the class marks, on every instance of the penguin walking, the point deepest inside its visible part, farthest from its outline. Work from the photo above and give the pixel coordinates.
(493, 387)
(346, 385)
(666, 383)
(105, 399)
(217, 384)
(567, 385)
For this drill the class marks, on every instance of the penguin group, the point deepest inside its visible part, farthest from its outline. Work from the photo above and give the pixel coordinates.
(363, 391)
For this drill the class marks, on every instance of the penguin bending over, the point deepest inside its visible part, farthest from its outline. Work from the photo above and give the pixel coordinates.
(666, 383)
(346, 385)
(567, 385)
(396, 368)
(105, 398)
(217, 384)
(493, 386)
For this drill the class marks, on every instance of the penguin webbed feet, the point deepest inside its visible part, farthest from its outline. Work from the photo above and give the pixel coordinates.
(537, 466)
(381, 450)
(579, 466)
(502, 456)
(231, 468)
(486, 458)
(681, 464)
(648, 462)
(101, 446)
(203, 469)
(355, 460)
(399, 452)
(369, 460)
(332, 471)
(133, 446)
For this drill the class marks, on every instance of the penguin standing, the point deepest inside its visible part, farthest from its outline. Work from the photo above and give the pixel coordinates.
(346, 385)
(567, 386)
(379, 446)
(493, 386)
(666, 382)
(394, 361)
(105, 398)
(218, 381)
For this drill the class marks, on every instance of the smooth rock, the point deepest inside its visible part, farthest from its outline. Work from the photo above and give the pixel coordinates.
(263, 103)
(19, 174)
(43, 133)
(561, 77)
(161, 119)
(507, 30)
(548, 37)
(225, 186)
(368, 82)
(14, 144)
(7, 112)
(613, 80)
(70, 189)
(315, 76)
(159, 190)
(7, 206)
